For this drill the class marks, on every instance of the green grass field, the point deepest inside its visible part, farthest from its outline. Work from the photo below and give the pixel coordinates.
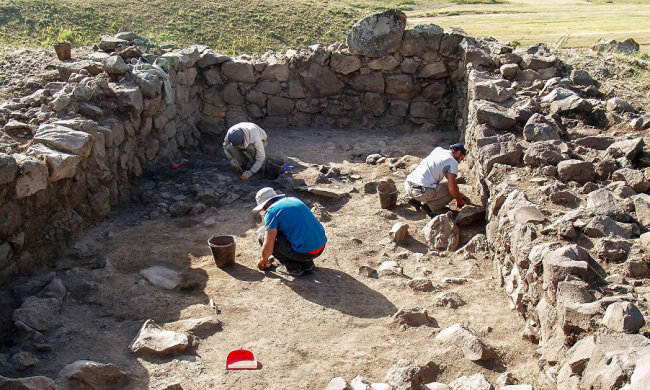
(255, 26)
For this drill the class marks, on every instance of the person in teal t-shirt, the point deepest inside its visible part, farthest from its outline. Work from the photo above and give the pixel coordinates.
(291, 233)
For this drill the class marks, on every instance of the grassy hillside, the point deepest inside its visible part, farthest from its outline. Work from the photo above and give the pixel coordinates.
(254, 26)
(231, 26)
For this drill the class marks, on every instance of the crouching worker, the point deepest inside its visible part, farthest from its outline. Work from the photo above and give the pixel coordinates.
(432, 185)
(291, 233)
(244, 145)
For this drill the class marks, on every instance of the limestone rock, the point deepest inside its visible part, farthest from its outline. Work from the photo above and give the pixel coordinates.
(414, 316)
(338, 383)
(623, 317)
(109, 43)
(576, 170)
(458, 336)
(619, 105)
(642, 209)
(404, 375)
(377, 35)
(86, 374)
(390, 268)
(612, 360)
(541, 128)
(151, 339)
(344, 63)
(508, 153)
(64, 139)
(398, 232)
(497, 116)
(441, 233)
(62, 165)
(474, 382)
(626, 148)
(613, 249)
(545, 153)
(603, 202)
(448, 299)
(435, 386)
(601, 226)
(633, 178)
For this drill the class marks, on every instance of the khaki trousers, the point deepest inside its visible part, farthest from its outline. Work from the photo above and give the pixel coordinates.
(436, 198)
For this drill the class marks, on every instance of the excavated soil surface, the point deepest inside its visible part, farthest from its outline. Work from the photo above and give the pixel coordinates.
(304, 332)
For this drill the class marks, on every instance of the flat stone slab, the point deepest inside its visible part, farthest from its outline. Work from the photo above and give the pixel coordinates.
(328, 192)
(161, 277)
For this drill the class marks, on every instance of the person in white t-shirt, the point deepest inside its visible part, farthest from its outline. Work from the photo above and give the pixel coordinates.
(432, 185)
(244, 145)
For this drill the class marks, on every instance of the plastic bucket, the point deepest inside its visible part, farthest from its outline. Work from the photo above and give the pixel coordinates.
(273, 168)
(387, 195)
(63, 50)
(223, 250)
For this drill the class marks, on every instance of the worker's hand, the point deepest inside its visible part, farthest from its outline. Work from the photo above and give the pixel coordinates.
(246, 175)
(235, 164)
(460, 203)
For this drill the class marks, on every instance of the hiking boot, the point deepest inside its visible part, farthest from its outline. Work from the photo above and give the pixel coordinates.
(415, 204)
(291, 272)
(427, 211)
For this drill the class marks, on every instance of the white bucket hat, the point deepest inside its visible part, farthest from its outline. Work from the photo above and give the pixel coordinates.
(263, 196)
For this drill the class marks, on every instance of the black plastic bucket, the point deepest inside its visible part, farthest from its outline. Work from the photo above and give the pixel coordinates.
(273, 168)
(387, 195)
(223, 250)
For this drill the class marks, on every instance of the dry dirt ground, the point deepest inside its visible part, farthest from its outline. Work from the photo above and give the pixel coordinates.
(306, 331)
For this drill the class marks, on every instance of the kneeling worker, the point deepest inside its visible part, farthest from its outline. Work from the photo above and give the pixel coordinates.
(426, 185)
(291, 233)
(244, 145)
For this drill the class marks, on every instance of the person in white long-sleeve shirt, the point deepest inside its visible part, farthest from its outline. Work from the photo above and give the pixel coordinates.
(432, 185)
(244, 145)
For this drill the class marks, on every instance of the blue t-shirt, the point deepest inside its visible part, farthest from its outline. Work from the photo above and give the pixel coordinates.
(295, 221)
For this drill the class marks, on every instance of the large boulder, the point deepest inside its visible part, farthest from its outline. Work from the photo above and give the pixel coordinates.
(239, 71)
(441, 233)
(613, 359)
(377, 35)
(62, 165)
(497, 116)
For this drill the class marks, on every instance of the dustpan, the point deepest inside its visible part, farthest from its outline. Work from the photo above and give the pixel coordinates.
(241, 359)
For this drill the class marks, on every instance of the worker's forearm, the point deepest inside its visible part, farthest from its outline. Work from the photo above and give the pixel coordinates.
(267, 249)
(455, 192)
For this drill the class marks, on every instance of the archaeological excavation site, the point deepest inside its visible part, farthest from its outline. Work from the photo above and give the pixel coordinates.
(113, 179)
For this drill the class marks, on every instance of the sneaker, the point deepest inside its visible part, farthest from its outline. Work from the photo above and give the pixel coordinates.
(309, 268)
(415, 204)
(285, 271)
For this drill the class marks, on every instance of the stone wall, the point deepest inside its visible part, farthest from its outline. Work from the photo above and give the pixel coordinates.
(566, 202)
(70, 150)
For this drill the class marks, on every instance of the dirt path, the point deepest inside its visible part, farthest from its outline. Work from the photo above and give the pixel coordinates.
(304, 332)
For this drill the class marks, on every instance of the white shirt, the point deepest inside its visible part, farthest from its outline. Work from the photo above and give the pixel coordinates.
(433, 168)
(253, 136)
